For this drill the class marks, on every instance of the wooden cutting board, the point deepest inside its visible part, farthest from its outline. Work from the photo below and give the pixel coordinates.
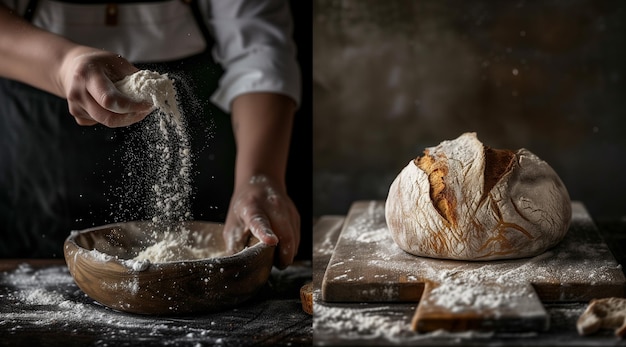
(506, 295)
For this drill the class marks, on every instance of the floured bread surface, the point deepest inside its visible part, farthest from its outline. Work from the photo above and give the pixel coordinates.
(463, 200)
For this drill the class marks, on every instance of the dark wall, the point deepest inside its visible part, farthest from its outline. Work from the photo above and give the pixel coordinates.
(393, 77)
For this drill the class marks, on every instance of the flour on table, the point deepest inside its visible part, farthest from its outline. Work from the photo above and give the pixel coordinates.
(48, 297)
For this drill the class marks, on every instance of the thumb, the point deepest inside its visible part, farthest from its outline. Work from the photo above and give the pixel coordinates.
(110, 98)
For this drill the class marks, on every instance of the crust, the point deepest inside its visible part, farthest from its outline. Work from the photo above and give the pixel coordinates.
(498, 162)
(608, 313)
(463, 200)
(306, 297)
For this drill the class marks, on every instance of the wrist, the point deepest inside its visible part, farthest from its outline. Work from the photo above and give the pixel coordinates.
(261, 178)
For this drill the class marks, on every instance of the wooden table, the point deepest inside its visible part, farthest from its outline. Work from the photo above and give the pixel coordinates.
(41, 305)
(378, 324)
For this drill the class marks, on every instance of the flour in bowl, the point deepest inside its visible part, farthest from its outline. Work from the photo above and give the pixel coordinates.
(179, 246)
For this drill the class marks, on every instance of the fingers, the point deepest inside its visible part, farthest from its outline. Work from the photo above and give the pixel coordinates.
(281, 232)
(92, 95)
(270, 233)
(289, 232)
(107, 105)
(88, 112)
(85, 121)
(111, 99)
(260, 227)
(282, 224)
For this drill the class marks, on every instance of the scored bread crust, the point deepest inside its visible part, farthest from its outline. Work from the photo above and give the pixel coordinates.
(462, 200)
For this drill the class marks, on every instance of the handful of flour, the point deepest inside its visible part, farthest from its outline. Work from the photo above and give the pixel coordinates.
(146, 85)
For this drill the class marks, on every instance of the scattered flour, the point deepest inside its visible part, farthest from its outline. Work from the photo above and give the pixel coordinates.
(461, 286)
(167, 153)
(376, 323)
(47, 299)
(462, 291)
(168, 162)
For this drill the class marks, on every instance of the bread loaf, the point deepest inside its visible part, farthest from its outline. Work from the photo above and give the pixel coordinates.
(606, 313)
(306, 297)
(463, 200)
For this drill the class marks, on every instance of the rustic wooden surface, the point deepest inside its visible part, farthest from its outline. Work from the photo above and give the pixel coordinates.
(387, 323)
(183, 287)
(41, 305)
(367, 266)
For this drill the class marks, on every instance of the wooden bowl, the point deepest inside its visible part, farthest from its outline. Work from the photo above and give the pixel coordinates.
(100, 261)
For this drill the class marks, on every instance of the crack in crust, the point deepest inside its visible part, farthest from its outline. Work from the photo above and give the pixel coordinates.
(501, 227)
(441, 195)
(498, 162)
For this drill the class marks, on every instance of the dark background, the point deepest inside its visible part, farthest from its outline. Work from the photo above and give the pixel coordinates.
(393, 77)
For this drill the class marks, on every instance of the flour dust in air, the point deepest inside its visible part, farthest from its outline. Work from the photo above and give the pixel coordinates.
(158, 161)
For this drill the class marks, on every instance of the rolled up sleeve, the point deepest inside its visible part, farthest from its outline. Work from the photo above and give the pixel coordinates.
(254, 45)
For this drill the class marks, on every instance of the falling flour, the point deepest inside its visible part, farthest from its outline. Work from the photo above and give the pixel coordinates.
(168, 162)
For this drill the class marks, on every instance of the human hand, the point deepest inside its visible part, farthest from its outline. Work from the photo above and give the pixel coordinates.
(264, 210)
(87, 77)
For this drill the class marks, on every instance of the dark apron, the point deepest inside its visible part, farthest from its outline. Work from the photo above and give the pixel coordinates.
(57, 176)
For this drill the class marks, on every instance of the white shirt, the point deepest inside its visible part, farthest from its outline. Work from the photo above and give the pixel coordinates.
(253, 38)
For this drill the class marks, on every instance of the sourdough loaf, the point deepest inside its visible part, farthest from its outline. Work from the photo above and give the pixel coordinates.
(463, 200)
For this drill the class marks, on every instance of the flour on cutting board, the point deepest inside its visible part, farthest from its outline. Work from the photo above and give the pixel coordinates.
(376, 322)
(462, 286)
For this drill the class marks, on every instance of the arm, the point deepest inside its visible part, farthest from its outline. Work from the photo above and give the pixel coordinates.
(262, 123)
(261, 87)
(81, 74)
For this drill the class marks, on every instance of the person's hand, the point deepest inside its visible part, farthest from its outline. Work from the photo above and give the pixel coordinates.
(264, 210)
(87, 77)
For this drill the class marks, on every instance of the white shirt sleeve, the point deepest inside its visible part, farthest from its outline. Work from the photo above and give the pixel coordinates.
(254, 45)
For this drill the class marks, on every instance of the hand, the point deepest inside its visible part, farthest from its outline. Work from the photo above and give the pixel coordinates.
(262, 209)
(87, 77)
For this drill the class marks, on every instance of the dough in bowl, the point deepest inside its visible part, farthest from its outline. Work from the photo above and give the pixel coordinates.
(463, 200)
